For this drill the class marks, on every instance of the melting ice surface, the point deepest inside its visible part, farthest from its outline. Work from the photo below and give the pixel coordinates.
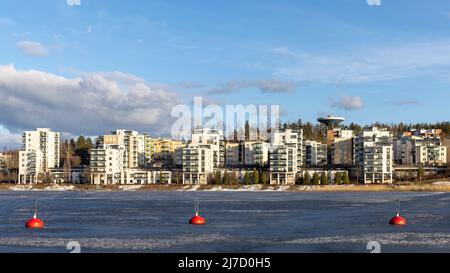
(236, 222)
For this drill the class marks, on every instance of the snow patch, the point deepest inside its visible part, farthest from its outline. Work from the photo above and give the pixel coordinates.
(129, 187)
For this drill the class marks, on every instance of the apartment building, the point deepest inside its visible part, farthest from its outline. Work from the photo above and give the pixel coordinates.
(215, 139)
(3, 161)
(283, 164)
(431, 155)
(162, 152)
(107, 165)
(290, 137)
(341, 147)
(40, 153)
(234, 154)
(285, 154)
(256, 153)
(374, 156)
(423, 149)
(197, 163)
(315, 154)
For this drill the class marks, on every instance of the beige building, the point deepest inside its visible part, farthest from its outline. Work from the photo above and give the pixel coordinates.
(234, 154)
(162, 152)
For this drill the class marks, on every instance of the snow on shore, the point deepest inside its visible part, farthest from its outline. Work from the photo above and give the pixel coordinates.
(48, 188)
(130, 187)
(441, 183)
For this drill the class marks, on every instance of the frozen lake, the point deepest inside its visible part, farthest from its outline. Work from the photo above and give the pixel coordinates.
(236, 222)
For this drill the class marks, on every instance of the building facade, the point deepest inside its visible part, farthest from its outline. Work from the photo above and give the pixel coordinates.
(40, 153)
(315, 154)
(197, 163)
(374, 156)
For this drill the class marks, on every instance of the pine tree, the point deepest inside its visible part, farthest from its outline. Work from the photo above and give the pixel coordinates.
(246, 178)
(255, 176)
(337, 179)
(217, 178)
(225, 178)
(264, 178)
(306, 179)
(316, 179)
(345, 178)
(420, 172)
(324, 178)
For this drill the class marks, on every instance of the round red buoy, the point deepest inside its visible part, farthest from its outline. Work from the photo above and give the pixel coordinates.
(398, 220)
(197, 220)
(34, 223)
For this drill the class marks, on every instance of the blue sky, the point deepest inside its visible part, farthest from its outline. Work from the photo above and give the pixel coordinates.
(386, 63)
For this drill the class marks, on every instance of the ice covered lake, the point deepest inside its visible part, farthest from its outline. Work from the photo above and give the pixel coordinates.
(236, 221)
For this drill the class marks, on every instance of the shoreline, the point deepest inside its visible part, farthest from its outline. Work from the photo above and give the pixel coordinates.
(437, 186)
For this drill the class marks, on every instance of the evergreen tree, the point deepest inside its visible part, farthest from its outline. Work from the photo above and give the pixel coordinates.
(306, 179)
(255, 176)
(338, 179)
(316, 179)
(233, 178)
(217, 178)
(345, 178)
(264, 178)
(246, 178)
(225, 178)
(420, 172)
(324, 178)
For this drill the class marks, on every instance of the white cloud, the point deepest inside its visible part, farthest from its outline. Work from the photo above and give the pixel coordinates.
(265, 86)
(91, 104)
(348, 103)
(73, 2)
(34, 49)
(369, 64)
(8, 139)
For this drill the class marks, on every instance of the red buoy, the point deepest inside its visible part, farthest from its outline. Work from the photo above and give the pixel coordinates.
(34, 223)
(398, 220)
(197, 220)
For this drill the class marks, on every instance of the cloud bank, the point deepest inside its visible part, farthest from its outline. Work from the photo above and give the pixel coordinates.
(91, 104)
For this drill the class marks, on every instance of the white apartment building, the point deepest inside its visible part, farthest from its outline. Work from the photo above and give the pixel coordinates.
(197, 163)
(431, 155)
(130, 142)
(374, 156)
(256, 153)
(290, 137)
(416, 150)
(40, 153)
(315, 153)
(214, 138)
(107, 165)
(285, 156)
(283, 164)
